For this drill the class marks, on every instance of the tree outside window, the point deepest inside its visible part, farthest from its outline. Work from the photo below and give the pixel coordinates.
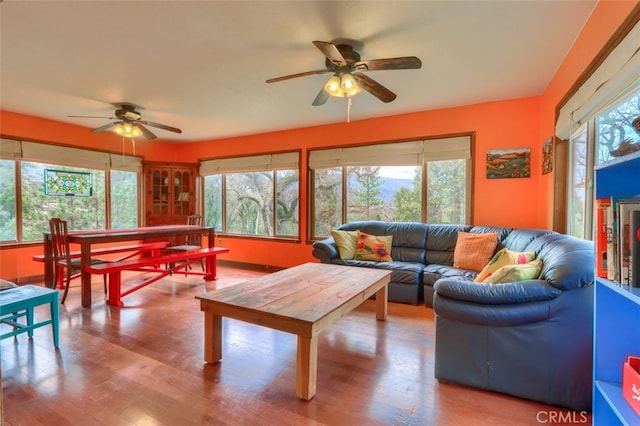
(7, 201)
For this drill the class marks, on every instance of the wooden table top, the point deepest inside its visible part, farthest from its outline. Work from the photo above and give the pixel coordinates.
(305, 295)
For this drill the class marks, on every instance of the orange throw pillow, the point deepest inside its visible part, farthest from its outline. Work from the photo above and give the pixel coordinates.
(473, 251)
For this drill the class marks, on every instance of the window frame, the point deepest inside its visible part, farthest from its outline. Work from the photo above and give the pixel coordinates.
(56, 156)
(425, 155)
(255, 163)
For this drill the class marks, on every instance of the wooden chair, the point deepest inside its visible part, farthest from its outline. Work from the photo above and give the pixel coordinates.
(192, 241)
(63, 262)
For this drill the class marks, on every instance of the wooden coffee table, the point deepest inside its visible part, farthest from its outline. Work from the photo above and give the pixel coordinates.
(303, 300)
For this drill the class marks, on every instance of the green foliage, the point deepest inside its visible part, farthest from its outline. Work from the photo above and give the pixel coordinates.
(7, 201)
(287, 202)
(124, 199)
(408, 202)
(213, 201)
(446, 191)
(327, 200)
(363, 193)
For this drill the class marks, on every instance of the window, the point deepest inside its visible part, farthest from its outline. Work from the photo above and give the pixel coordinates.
(7, 200)
(254, 195)
(38, 208)
(447, 191)
(612, 130)
(213, 201)
(578, 178)
(385, 182)
(596, 119)
(615, 129)
(115, 189)
(124, 199)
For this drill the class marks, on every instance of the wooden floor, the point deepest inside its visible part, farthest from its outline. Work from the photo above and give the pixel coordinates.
(143, 365)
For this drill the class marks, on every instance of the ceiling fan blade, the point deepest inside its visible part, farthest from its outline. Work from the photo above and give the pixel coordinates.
(160, 126)
(91, 116)
(322, 98)
(300, 74)
(331, 52)
(145, 132)
(373, 87)
(105, 127)
(403, 63)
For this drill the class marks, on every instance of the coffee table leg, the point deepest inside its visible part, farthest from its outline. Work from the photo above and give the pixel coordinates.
(381, 303)
(307, 367)
(212, 338)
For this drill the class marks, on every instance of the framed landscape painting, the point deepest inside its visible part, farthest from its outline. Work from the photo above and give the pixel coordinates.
(509, 163)
(547, 156)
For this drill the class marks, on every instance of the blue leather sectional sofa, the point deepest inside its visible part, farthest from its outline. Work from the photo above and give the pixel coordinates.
(531, 339)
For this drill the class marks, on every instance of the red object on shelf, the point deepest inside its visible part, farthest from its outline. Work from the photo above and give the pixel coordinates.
(631, 382)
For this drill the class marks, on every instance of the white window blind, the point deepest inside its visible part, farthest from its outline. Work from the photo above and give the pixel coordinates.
(616, 77)
(54, 154)
(458, 148)
(10, 149)
(412, 153)
(254, 163)
(125, 163)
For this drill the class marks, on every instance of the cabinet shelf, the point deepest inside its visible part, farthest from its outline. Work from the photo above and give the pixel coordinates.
(612, 394)
(616, 321)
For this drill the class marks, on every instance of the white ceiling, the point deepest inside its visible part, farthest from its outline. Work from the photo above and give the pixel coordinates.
(202, 65)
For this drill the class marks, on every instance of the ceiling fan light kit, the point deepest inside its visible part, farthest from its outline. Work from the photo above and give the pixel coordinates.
(344, 86)
(129, 123)
(127, 130)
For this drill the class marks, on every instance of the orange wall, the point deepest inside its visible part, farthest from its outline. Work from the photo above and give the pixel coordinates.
(504, 124)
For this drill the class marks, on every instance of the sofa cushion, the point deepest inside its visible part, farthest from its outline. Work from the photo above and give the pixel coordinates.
(473, 251)
(502, 258)
(508, 293)
(408, 241)
(519, 239)
(502, 232)
(441, 241)
(401, 272)
(373, 247)
(346, 242)
(514, 273)
(409, 238)
(432, 273)
(567, 262)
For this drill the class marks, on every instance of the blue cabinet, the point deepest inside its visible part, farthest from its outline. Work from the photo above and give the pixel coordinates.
(617, 310)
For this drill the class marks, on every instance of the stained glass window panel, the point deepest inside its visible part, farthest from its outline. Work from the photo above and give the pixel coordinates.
(61, 182)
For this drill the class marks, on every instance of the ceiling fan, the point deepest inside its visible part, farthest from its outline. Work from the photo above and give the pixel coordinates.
(128, 122)
(348, 68)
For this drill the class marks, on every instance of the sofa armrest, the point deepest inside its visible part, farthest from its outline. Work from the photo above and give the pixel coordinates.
(496, 294)
(326, 250)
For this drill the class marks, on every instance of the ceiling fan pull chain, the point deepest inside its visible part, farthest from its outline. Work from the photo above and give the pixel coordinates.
(123, 159)
(133, 144)
(348, 110)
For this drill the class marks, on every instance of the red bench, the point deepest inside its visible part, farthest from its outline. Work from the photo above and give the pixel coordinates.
(136, 249)
(154, 264)
(153, 247)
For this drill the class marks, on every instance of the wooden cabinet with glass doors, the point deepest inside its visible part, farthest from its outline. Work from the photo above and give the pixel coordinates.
(169, 193)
